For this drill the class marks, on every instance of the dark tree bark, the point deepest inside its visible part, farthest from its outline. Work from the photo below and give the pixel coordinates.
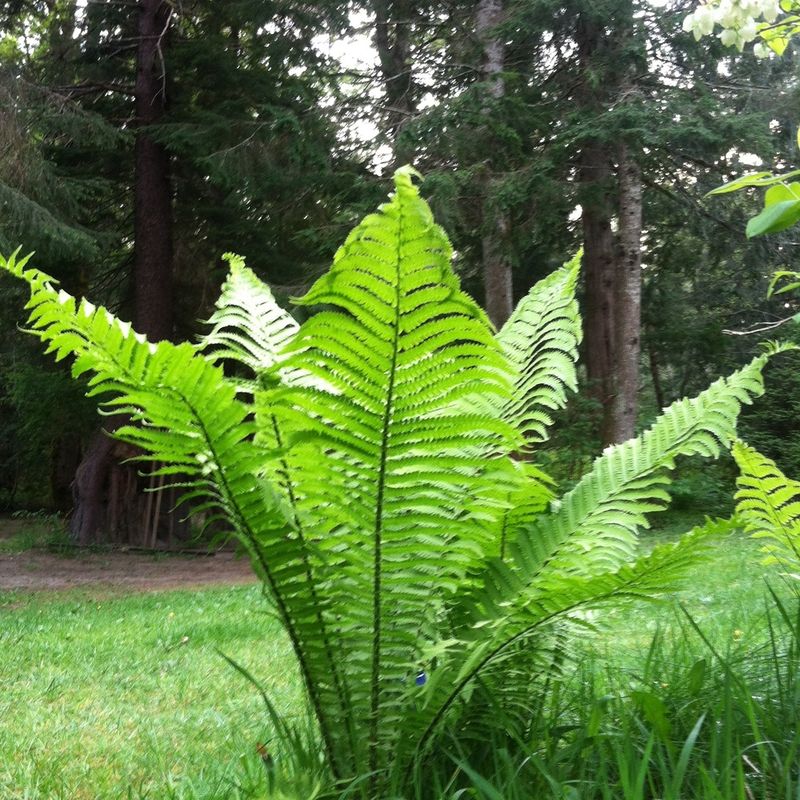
(152, 271)
(108, 499)
(393, 43)
(599, 274)
(65, 459)
(497, 274)
(611, 187)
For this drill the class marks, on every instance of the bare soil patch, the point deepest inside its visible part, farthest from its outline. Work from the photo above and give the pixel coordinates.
(38, 570)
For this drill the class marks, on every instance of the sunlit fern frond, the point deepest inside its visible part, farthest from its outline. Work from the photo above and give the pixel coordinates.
(541, 340)
(768, 503)
(185, 415)
(594, 526)
(248, 326)
(400, 487)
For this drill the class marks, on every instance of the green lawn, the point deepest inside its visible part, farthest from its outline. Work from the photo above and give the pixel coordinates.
(726, 596)
(109, 697)
(127, 697)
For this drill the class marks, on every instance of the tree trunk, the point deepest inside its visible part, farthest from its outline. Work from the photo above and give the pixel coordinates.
(497, 274)
(107, 494)
(599, 276)
(152, 271)
(621, 423)
(393, 43)
(612, 265)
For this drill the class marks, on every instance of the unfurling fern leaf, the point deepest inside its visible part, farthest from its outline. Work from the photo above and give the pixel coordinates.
(368, 460)
(768, 503)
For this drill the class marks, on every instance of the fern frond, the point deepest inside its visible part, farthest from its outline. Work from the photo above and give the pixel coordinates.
(594, 526)
(397, 341)
(769, 505)
(541, 340)
(249, 327)
(549, 602)
(253, 331)
(185, 415)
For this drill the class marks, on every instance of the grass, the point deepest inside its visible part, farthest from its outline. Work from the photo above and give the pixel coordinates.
(24, 531)
(127, 696)
(110, 697)
(725, 596)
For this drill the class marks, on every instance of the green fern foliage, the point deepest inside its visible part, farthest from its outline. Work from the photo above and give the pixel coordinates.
(248, 327)
(540, 340)
(768, 503)
(369, 462)
(399, 344)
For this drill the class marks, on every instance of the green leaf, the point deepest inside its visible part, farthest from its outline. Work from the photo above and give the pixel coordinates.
(654, 711)
(774, 218)
(777, 44)
(781, 192)
(757, 179)
(745, 181)
(780, 275)
(696, 676)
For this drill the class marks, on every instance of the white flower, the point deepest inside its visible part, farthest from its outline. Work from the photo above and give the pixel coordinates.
(751, 11)
(760, 50)
(770, 11)
(740, 21)
(728, 14)
(704, 17)
(701, 22)
(748, 31)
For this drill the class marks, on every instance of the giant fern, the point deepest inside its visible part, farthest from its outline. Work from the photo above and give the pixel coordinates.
(369, 462)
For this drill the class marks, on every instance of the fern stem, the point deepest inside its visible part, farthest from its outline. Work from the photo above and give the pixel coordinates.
(381, 487)
(243, 526)
(332, 663)
(504, 536)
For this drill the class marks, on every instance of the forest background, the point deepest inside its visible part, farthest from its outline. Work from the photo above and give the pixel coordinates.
(140, 141)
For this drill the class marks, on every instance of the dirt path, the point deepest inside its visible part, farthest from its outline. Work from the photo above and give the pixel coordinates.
(35, 570)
